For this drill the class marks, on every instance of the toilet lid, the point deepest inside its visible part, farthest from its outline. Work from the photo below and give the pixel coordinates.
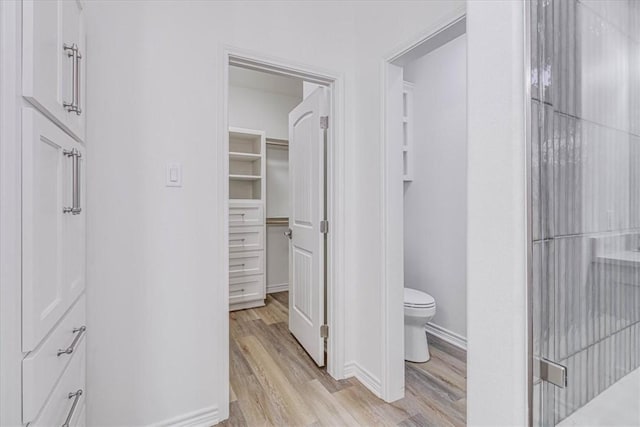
(416, 298)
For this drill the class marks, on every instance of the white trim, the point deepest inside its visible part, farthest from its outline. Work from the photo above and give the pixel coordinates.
(446, 335)
(201, 418)
(10, 214)
(353, 369)
(336, 242)
(391, 268)
(277, 287)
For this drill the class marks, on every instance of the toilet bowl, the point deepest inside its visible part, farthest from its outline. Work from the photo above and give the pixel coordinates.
(419, 308)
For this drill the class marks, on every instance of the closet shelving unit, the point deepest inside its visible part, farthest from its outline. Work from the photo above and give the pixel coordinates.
(246, 164)
(247, 195)
(407, 132)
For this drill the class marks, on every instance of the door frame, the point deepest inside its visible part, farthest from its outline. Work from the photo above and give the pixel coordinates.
(336, 192)
(392, 241)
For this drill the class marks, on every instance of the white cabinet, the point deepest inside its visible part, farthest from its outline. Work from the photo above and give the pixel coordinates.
(53, 61)
(43, 367)
(53, 225)
(65, 405)
(247, 185)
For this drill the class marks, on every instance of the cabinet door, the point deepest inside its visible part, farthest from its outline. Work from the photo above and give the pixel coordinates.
(74, 225)
(49, 75)
(49, 284)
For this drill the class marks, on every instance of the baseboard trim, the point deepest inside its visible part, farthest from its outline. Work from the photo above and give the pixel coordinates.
(278, 287)
(446, 335)
(201, 418)
(352, 369)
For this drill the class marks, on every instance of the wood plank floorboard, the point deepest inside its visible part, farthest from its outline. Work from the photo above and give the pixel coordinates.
(275, 383)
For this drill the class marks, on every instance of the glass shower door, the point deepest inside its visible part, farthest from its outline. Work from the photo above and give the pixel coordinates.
(585, 197)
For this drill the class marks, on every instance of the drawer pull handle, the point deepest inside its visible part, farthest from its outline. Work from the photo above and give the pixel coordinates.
(237, 240)
(79, 331)
(237, 265)
(238, 290)
(237, 214)
(76, 397)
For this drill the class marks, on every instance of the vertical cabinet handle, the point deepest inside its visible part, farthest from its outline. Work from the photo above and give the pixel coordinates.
(77, 208)
(78, 109)
(73, 52)
(76, 397)
(72, 154)
(75, 155)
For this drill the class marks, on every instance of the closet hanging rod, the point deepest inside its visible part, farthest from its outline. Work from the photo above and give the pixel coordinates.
(277, 142)
(277, 221)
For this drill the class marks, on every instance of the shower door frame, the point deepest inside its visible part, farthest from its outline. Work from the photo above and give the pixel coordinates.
(528, 123)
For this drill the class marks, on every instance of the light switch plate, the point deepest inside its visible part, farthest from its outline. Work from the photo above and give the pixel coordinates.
(174, 175)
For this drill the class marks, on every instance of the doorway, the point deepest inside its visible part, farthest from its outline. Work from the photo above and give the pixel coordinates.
(425, 166)
(257, 146)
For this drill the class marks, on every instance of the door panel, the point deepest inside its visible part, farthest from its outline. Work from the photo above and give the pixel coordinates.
(53, 241)
(306, 211)
(74, 232)
(47, 69)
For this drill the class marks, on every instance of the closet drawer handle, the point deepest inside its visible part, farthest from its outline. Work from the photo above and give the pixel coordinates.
(76, 397)
(237, 240)
(238, 290)
(237, 214)
(237, 265)
(79, 331)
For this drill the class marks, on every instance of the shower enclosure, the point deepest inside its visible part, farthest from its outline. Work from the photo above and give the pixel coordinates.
(585, 199)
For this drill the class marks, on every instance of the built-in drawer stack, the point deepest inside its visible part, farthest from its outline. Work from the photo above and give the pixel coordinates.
(53, 327)
(53, 375)
(247, 286)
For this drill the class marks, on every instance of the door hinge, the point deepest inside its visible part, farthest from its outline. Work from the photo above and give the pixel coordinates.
(324, 227)
(552, 372)
(324, 122)
(324, 331)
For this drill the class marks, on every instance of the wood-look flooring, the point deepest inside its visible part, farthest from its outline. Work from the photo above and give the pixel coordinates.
(274, 382)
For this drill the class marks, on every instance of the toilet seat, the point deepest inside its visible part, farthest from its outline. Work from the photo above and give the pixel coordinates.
(414, 298)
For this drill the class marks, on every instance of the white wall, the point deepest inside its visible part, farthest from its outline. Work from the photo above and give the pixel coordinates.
(263, 105)
(157, 314)
(496, 254)
(435, 202)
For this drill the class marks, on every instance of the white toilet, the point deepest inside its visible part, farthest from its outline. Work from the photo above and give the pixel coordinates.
(419, 308)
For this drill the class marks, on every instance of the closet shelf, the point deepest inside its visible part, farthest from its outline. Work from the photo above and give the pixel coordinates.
(245, 177)
(249, 157)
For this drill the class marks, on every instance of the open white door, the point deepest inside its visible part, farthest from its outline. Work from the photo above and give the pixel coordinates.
(306, 212)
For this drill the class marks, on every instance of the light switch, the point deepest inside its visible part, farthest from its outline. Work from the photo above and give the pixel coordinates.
(174, 175)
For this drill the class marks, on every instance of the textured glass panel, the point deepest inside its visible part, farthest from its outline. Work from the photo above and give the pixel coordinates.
(585, 196)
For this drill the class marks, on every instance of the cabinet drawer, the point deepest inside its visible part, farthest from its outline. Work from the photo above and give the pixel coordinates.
(246, 263)
(61, 402)
(43, 366)
(245, 214)
(243, 289)
(242, 239)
